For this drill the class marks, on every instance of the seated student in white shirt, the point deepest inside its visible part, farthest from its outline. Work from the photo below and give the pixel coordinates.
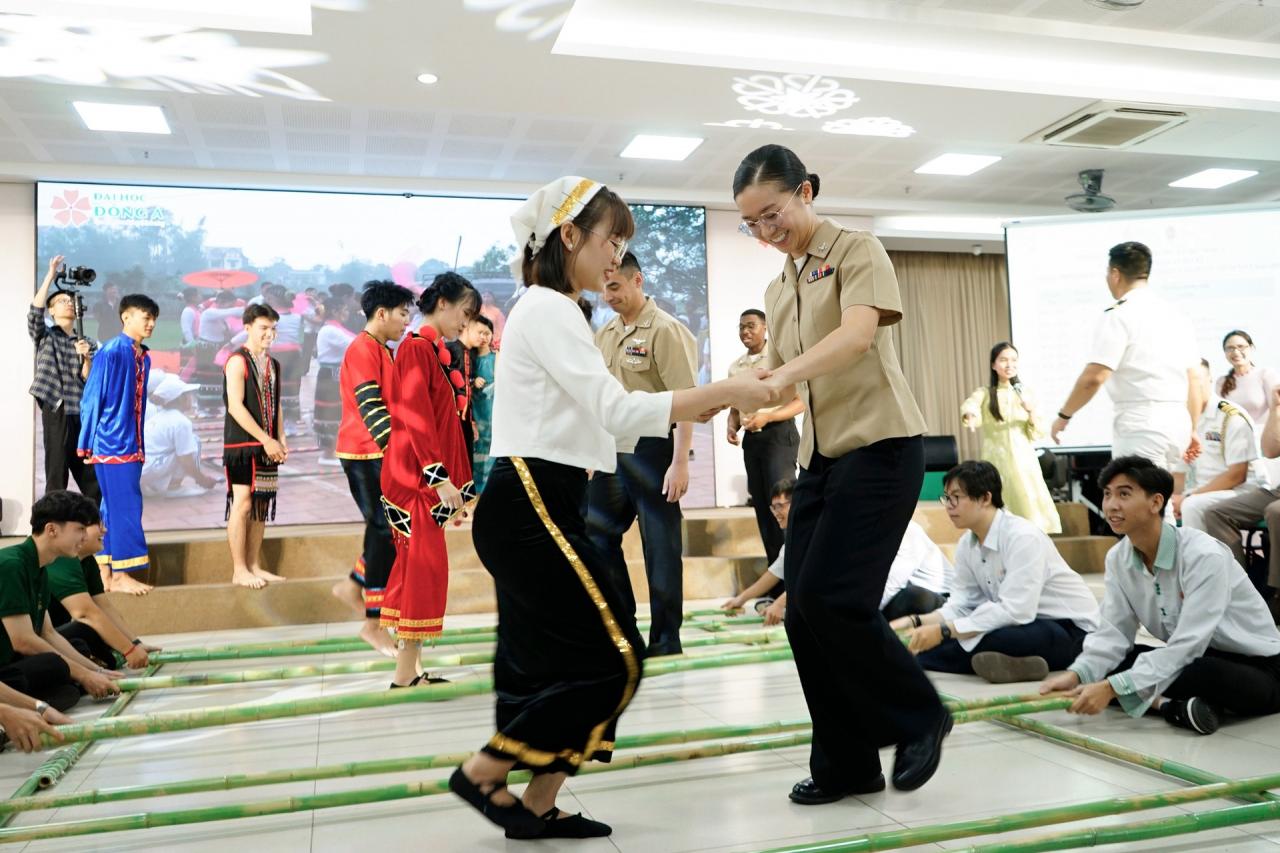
(1017, 610)
(1221, 652)
(918, 579)
(1228, 465)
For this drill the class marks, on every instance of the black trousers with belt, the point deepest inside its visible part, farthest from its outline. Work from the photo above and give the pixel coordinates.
(769, 456)
(61, 434)
(863, 688)
(634, 492)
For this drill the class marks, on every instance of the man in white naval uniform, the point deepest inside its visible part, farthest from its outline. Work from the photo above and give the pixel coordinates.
(1144, 352)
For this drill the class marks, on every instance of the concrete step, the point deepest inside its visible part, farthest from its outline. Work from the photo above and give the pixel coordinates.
(306, 600)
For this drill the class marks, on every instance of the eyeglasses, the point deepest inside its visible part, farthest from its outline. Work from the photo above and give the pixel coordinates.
(779, 507)
(619, 246)
(950, 501)
(751, 227)
(1241, 348)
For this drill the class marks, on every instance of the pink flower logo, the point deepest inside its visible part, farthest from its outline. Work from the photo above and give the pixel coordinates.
(70, 208)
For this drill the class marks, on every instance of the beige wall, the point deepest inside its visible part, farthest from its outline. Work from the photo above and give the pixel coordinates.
(17, 426)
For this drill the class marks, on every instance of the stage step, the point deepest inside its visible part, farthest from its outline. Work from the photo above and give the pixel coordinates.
(306, 600)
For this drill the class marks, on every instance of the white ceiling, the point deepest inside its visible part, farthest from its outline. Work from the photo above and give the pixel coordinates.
(520, 102)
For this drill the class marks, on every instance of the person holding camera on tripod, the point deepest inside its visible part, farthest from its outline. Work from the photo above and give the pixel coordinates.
(63, 356)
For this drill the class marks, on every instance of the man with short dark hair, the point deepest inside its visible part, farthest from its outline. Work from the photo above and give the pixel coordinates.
(1221, 649)
(82, 612)
(1144, 351)
(771, 442)
(62, 364)
(646, 349)
(364, 381)
(34, 658)
(114, 410)
(1017, 610)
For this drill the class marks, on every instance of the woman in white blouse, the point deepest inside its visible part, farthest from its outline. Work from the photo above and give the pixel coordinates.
(568, 659)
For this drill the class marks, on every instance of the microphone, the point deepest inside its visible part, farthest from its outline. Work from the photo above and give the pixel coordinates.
(1016, 384)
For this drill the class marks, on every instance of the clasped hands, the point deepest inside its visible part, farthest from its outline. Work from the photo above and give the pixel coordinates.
(750, 391)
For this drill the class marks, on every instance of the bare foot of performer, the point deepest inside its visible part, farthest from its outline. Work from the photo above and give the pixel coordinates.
(127, 584)
(269, 577)
(245, 577)
(349, 593)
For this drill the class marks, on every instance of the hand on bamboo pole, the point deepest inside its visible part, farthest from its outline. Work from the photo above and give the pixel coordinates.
(25, 727)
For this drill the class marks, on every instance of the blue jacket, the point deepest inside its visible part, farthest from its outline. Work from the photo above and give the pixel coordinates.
(114, 404)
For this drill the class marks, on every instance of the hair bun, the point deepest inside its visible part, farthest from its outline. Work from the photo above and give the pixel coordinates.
(814, 182)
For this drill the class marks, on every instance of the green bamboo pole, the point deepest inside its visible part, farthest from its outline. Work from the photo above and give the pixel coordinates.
(993, 701)
(1033, 707)
(1131, 832)
(280, 651)
(204, 718)
(306, 642)
(287, 805)
(894, 839)
(776, 635)
(362, 768)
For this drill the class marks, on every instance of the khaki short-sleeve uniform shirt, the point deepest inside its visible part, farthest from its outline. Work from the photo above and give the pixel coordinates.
(657, 353)
(867, 401)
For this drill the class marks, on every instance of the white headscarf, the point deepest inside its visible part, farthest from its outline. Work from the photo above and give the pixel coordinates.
(546, 210)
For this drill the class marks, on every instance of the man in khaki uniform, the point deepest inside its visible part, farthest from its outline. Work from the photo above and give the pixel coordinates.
(770, 441)
(646, 349)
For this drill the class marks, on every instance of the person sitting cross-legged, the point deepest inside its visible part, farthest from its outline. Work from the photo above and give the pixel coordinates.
(1221, 649)
(918, 579)
(1017, 610)
(81, 610)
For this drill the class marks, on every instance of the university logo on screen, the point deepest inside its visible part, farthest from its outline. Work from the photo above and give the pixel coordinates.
(75, 207)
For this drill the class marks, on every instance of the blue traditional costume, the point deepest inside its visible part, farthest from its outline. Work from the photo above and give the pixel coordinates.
(111, 416)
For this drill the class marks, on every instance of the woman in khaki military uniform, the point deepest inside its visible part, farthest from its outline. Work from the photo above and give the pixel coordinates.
(862, 464)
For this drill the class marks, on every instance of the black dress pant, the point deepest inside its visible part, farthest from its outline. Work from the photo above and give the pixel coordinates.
(616, 500)
(364, 477)
(863, 688)
(1245, 686)
(45, 677)
(89, 643)
(769, 456)
(61, 434)
(1058, 641)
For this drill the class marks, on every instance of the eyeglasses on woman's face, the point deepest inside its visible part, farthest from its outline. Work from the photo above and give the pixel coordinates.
(771, 220)
(1236, 348)
(619, 244)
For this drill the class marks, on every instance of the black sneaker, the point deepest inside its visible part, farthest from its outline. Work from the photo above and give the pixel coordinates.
(1194, 713)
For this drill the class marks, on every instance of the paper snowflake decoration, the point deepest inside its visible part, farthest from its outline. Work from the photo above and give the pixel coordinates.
(794, 95)
(749, 124)
(537, 19)
(869, 126)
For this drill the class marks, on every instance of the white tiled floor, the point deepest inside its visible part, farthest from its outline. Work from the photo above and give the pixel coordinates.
(735, 803)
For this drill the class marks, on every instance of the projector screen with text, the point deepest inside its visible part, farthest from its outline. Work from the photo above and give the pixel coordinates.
(1220, 265)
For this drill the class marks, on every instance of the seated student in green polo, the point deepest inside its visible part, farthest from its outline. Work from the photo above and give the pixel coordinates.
(79, 608)
(34, 658)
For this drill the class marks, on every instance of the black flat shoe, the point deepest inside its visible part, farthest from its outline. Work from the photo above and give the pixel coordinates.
(518, 821)
(809, 793)
(915, 762)
(573, 826)
(416, 681)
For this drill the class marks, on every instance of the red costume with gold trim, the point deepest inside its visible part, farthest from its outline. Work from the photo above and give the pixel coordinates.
(426, 447)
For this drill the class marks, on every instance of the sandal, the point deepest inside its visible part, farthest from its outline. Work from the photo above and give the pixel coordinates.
(573, 826)
(416, 681)
(518, 821)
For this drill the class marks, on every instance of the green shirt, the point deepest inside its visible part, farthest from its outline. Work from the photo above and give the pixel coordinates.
(67, 577)
(24, 588)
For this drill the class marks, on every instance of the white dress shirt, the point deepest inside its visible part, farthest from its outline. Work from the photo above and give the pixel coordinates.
(1014, 577)
(1149, 346)
(1197, 598)
(1227, 437)
(555, 399)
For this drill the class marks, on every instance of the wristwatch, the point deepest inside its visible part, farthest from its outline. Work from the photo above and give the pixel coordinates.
(41, 707)
(946, 631)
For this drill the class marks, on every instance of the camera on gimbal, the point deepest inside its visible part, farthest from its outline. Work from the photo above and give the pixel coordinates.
(74, 276)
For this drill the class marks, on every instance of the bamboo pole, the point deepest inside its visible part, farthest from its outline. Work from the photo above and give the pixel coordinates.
(287, 805)
(693, 616)
(280, 651)
(776, 635)
(936, 833)
(361, 768)
(1143, 831)
(205, 718)
(1033, 707)
(956, 704)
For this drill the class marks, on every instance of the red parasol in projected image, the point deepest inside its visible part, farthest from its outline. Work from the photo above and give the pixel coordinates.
(220, 279)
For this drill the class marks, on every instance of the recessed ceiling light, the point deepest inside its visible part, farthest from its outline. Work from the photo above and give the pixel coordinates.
(122, 118)
(957, 164)
(428, 79)
(647, 147)
(1212, 179)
